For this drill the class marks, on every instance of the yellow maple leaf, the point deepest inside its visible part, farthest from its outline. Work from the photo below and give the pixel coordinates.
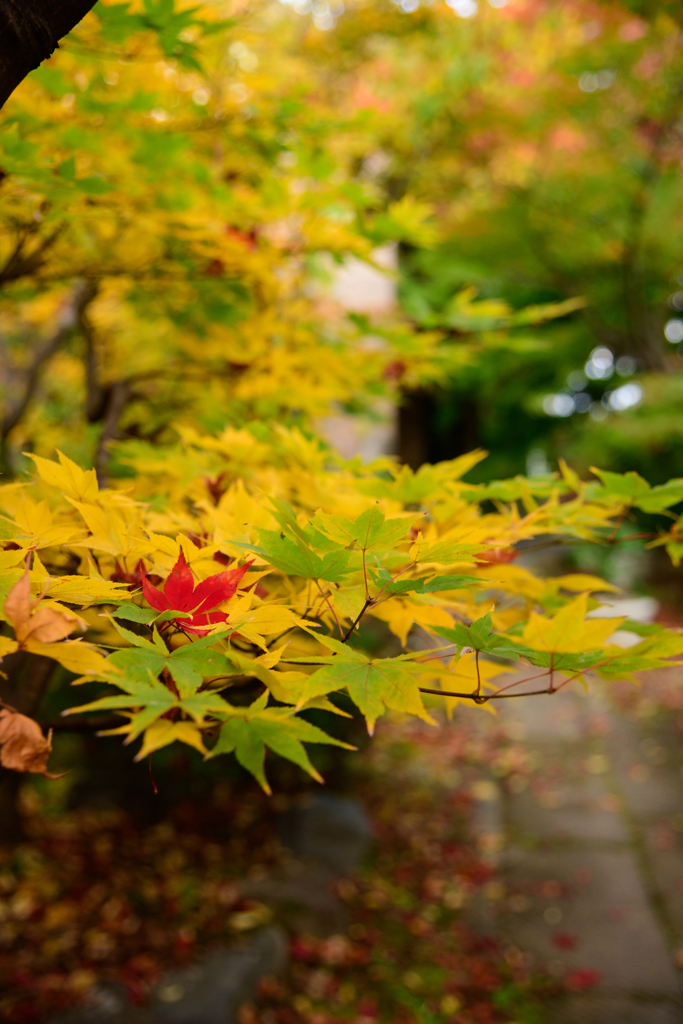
(271, 659)
(264, 621)
(580, 581)
(164, 732)
(74, 482)
(287, 687)
(568, 632)
(11, 558)
(73, 655)
(83, 590)
(7, 646)
(401, 615)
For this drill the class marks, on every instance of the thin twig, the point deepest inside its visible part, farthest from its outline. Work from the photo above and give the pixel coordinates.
(357, 619)
(484, 698)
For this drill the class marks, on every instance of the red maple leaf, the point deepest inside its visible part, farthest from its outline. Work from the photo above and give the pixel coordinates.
(181, 595)
(564, 940)
(582, 979)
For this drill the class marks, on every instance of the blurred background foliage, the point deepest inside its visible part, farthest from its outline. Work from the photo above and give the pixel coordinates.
(180, 183)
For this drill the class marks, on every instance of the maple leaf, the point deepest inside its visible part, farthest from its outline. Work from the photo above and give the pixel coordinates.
(568, 632)
(252, 729)
(374, 684)
(181, 595)
(30, 622)
(74, 482)
(24, 748)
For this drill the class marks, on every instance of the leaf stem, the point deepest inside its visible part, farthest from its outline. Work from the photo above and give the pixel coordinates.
(330, 606)
(617, 526)
(393, 579)
(576, 675)
(365, 577)
(518, 682)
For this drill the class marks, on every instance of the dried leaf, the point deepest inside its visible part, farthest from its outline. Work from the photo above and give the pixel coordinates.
(24, 748)
(46, 625)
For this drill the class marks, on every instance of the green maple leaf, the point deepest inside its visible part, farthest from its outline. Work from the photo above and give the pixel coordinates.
(188, 664)
(298, 559)
(258, 727)
(662, 497)
(149, 694)
(480, 636)
(422, 585)
(628, 488)
(654, 651)
(374, 684)
(564, 662)
(370, 531)
(198, 705)
(133, 613)
(441, 583)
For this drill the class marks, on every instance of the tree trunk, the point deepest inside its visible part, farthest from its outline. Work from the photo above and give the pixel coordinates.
(30, 31)
(27, 679)
(424, 435)
(414, 415)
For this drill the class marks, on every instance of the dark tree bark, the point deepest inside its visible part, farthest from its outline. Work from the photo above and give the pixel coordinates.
(117, 397)
(22, 387)
(422, 435)
(26, 679)
(30, 31)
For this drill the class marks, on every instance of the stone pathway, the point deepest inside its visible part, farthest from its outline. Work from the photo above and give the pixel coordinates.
(591, 856)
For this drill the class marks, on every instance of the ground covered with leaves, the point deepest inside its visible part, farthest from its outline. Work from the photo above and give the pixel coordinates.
(95, 897)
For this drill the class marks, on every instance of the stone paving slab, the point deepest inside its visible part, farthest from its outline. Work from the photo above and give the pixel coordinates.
(651, 790)
(585, 810)
(591, 857)
(597, 900)
(616, 1011)
(666, 865)
(557, 718)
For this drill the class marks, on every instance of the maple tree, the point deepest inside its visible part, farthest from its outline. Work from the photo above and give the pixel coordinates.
(167, 237)
(548, 139)
(339, 542)
(166, 323)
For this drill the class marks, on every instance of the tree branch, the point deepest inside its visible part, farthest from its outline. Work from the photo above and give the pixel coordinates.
(118, 395)
(66, 321)
(30, 31)
(95, 394)
(19, 263)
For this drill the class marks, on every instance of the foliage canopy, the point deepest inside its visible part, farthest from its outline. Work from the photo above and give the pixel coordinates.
(178, 184)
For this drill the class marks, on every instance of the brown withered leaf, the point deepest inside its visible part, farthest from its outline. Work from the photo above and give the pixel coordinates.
(24, 748)
(29, 621)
